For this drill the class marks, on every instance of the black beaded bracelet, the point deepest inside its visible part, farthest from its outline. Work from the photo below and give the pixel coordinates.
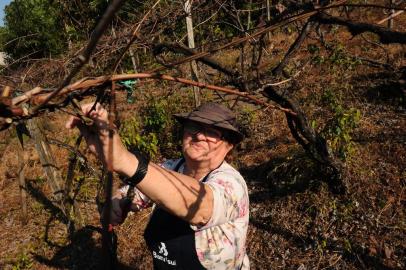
(141, 171)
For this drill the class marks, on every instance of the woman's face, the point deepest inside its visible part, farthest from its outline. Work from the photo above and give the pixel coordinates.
(203, 142)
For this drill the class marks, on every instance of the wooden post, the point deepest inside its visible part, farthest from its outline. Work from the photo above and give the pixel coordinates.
(113, 32)
(191, 43)
(130, 50)
(268, 19)
(21, 181)
(268, 11)
(392, 11)
(47, 160)
(249, 16)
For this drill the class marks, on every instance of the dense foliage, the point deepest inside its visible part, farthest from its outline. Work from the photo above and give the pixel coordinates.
(33, 28)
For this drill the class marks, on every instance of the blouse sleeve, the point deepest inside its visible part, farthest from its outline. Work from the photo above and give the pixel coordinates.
(230, 198)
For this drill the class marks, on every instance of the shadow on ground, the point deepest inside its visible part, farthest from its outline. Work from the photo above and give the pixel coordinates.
(283, 176)
(83, 250)
(357, 255)
(389, 88)
(288, 175)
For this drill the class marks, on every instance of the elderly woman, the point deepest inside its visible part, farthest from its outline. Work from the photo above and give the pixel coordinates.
(200, 218)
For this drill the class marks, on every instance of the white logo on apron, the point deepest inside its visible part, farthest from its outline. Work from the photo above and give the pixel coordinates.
(162, 250)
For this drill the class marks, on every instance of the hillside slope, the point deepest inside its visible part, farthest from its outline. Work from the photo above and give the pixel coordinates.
(352, 91)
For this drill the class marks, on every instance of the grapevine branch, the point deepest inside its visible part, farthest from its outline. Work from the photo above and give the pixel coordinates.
(314, 144)
(293, 48)
(368, 6)
(9, 111)
(385, 35)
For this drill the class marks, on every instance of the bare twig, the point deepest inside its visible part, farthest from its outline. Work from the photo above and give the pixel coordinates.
(19, 59)
(133, 37)
(81, 158)
(9, 112)
(293, 48)
(203, 22)
(86, 84)
(390, 17)
(21, 178)
(20, 37)
(178, 48)
(288, 79)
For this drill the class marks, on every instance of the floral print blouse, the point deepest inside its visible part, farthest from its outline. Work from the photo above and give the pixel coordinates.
(220, 244)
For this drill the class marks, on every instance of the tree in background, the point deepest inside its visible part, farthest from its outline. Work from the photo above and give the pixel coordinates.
(43, 28)
(80, 17)
(33, 27)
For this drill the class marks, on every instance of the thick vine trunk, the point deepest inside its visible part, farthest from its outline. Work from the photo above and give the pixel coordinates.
(314, 145)
(385, 35)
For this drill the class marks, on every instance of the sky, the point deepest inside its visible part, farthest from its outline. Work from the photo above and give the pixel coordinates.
(3, 3)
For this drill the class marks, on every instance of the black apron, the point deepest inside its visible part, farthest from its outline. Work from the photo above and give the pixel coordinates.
(171, 240)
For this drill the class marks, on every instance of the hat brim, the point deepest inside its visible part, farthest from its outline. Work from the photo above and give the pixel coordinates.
(224, 125)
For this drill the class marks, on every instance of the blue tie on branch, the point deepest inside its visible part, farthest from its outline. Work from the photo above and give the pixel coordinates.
(129, 86)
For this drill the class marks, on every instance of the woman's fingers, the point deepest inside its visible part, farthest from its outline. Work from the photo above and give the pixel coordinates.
(98, 113)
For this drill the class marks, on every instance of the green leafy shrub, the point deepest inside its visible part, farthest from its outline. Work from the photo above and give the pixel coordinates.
(340, 57)
(156, 118)
(132, 137)
(338, 131)
(154, 131)
(23, 262)
(246, 119)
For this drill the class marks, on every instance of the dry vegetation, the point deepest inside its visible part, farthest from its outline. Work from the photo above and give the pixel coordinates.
(296, 222)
